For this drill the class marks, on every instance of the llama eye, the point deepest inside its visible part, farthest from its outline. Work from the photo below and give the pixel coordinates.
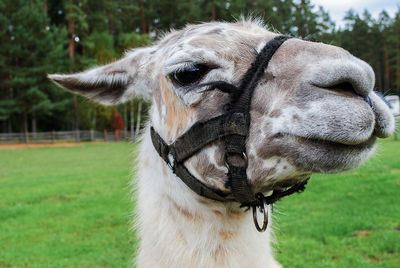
(189, 75)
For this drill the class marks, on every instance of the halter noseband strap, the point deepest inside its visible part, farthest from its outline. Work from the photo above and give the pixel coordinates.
(231, 127)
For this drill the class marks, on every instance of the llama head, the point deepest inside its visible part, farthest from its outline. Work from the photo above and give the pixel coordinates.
(308, 112)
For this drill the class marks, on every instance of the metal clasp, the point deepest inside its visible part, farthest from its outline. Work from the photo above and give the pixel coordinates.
(260, 197)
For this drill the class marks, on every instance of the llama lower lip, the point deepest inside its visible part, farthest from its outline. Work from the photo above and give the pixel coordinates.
(327, 142)
(323, 156)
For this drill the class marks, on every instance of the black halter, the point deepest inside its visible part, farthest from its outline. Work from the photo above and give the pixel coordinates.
(232, 127)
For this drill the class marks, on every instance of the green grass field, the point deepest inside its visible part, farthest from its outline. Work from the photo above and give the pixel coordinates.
(70, 207)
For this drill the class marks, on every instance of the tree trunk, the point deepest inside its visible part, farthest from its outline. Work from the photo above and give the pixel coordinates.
(138, 119)
(386, 73)
(213, 13)
(10, 96)
(71, 53)
(301, 24)
(111, 20)
(94, 118)
(26, 133)
(71, 41)
(171, 16)
(379, 75)
(4, 126)
(142, 18)
(116, 135)
(398, 67)
(9, 129)
(45, 6)
(33, 124)
(125, 121)
(76, 118)
(9, 125)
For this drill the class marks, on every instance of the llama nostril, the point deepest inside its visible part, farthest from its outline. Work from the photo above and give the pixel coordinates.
(347, 76)
(345, 88)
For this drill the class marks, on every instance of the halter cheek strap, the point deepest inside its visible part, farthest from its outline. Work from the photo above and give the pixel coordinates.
(232, 128)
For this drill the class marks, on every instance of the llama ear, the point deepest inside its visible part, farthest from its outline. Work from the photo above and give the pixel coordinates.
(113, 83)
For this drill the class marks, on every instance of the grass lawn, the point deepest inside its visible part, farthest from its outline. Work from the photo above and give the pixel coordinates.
(66, 207)
(70, 207)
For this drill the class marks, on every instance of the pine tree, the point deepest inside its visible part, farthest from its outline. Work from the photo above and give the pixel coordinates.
(28, 59)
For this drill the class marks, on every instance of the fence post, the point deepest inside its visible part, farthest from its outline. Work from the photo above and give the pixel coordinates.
(105, 135)
(91, 135)
(26, 136)
(53, 136)
(116, 134)
(77, 136)
(10, 138)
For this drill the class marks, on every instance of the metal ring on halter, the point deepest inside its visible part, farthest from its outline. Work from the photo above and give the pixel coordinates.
(260, 196)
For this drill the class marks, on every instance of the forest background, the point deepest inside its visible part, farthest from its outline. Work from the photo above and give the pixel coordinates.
(61, 36)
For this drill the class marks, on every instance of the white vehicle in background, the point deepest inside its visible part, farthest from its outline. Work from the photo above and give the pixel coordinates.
(394, 104)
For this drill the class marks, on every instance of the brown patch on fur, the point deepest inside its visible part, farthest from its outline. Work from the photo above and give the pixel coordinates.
(182, 237)
(218, 213)
(183, 211)
(164, 170)
(225, 235)
(275, 113)
(220, 255)
(235, 214)
(178, 115)
(145, 163)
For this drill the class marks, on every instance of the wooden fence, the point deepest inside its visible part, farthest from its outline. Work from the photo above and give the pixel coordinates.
(67, 136)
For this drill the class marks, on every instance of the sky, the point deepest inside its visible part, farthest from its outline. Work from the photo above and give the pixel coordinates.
(338, 8)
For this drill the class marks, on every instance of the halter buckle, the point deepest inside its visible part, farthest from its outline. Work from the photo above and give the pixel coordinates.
(260, 197)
